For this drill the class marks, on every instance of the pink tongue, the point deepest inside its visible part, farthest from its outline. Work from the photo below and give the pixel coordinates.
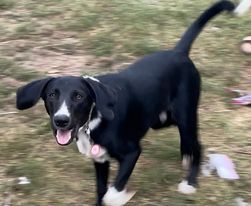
(63, 137)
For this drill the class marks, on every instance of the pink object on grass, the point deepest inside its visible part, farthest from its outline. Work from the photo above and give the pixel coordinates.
(243, 100)
(224, 166)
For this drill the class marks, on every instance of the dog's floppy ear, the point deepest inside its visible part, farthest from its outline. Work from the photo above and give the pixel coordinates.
(103, 96)
(28, 95)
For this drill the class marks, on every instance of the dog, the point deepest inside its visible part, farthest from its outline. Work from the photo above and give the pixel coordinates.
(108, 115)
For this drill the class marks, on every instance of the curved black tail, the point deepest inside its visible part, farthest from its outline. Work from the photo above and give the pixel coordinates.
(193, 31)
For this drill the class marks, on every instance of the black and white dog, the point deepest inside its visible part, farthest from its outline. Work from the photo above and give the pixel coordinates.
(108, 115)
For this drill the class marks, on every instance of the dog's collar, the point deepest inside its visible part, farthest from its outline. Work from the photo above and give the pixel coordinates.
(86, 144)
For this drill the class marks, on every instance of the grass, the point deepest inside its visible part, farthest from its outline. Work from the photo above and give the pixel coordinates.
(24, 30)
(5, 92)
(6, 4)
(10, 68)
(122, 31)
(31, 169)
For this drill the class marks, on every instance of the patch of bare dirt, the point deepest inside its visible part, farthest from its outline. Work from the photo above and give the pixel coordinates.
(55, 63)
(59, 55)
(10, 81)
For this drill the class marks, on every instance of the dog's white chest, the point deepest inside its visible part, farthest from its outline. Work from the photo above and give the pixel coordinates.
(83, 143)
(96, 152)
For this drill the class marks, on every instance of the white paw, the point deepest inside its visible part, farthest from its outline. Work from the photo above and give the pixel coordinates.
(185, 188)
(115, 198)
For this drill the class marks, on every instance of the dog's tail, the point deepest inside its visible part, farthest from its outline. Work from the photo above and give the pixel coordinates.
(184, 45)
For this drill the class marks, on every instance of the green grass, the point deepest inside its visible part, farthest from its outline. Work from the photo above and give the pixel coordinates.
(24, 30)
(10, 68)
(4, 91)
(6, 4)
(31, 169)
(81, 22)
(102, 44)
(41, 10)
(122, 31)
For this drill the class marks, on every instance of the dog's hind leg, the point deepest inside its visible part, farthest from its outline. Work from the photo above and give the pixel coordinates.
(186, 116)
(190, 150)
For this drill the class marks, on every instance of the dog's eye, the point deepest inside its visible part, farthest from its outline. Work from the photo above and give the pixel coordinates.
(52, 95)
(78, 96)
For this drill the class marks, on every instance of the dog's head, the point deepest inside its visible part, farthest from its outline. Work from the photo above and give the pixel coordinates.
(68, 101)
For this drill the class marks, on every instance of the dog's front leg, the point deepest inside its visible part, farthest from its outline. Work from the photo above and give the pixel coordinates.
(102, 173)
(117, 194)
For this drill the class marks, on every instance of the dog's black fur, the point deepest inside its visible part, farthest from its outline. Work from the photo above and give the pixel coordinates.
(130, 103)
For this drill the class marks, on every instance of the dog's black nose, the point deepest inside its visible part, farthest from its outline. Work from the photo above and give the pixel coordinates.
(61, 121)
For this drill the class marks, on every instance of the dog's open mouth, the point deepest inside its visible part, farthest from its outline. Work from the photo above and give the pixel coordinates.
(64, 137)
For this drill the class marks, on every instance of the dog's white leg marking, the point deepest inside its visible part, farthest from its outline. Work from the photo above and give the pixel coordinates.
(63, 110)
(115, 198)
(242, 7)
(186, 160)
(90, 77)
(163, 117)
(185, 188)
